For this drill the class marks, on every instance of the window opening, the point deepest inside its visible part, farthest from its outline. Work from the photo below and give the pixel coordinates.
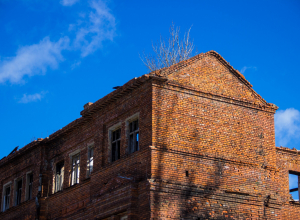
(90, 160)
(186, 173)
(29, 186)
(294, 185)
(6, 198)
(18, 192)
(75, 169)
(59, 176)
(115, 145)
(134, 136)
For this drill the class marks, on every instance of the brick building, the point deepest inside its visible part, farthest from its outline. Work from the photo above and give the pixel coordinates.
(193, 141)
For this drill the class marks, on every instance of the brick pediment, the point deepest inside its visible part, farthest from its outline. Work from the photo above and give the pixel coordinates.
(210, 73)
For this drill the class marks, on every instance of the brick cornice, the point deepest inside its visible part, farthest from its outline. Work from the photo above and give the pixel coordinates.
(211, 157)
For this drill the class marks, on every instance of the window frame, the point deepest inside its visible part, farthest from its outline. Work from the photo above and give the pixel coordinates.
(131, 119)
(90, 149)
(18, 191)
(298, 188)
(5, 186)
(28, 193)
(115, 140)
(77, 167)
(59, 187)
(110, 142)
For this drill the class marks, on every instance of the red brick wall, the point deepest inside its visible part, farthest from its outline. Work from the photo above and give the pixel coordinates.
(227, 146)
(207, 151)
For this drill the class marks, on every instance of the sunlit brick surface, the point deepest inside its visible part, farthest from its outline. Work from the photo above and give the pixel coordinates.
(206, 151)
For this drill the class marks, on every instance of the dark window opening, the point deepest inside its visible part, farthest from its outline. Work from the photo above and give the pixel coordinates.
(294, 185)
(134, 136)
(18, 192)
(186, 173)
(29, 186)
(115, 145)
(59, 176)
(6, 198)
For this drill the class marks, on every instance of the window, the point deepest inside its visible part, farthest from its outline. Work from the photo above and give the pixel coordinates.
(90, 162)
(115, 145)
(134, 136)
(6, 196)
(18, 191)
(294, 185)
(75, 169)
(29, 182)
(59, 176)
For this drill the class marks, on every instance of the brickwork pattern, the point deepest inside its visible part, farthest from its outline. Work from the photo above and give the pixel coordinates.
(207, 151)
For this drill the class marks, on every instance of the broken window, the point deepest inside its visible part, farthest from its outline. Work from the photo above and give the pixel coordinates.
(6, 197)
(18, 192)
(115, 145)
(29, 181)
(75, 169)
(294, 185)
(90, 162)
(134, 136)
(59, 176)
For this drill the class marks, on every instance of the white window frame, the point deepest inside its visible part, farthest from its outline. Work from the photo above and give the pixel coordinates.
(130, 119)
(5, 186)
(90, 160)
(110, 132)
(27, 193)
(16, 193)
(59, 180)
(75, 174)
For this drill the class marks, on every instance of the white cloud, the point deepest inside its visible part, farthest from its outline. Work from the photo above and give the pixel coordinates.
(33, 59)
(68, 2)
(100, 27)
(90, 33)
(32, 98)
(287, 126)
(243, 70)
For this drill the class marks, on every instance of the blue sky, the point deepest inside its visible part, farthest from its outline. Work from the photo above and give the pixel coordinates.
(55, 56)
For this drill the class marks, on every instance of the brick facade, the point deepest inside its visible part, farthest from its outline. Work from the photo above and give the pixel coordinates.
(206, 151)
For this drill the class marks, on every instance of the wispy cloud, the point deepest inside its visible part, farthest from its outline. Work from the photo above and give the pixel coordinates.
(33, 59)
(32, 98)
(287, 126)
(90, 33)
(76, 64)
(101, 26)
(243, 70)
(68, 2)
